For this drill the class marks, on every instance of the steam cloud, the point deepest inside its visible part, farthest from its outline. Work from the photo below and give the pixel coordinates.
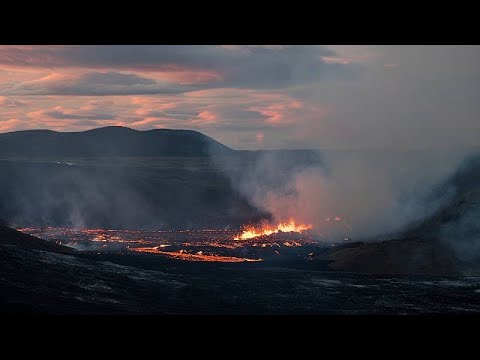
(463, 236)
(461, 230)
(119, 194)
(375, 193)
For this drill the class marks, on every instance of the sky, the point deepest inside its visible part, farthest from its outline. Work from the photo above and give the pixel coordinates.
(251, 96)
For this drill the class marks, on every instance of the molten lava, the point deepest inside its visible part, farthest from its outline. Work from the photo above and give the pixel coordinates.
(199, 256)
(189, 245)
(289, 226)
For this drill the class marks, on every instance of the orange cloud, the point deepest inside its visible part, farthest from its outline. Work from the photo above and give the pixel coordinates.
(208, 116)
(279, 113)
(93, 105)
(11, 102)
(11, 125)
(148, 121)
(157, 107)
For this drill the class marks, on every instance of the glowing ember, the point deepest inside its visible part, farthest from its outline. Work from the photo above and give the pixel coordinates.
(267, 230)
(199, 256)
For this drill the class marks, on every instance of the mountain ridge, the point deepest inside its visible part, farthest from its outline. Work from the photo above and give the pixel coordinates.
(109, 141)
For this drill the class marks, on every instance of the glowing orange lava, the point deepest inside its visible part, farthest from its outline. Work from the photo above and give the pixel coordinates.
(289, 226)
(199, 256)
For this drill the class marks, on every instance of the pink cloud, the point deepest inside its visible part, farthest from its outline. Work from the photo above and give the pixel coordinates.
(208, 116)
(149, 107)
(273, 113)
(42, 60)
(148, 122)
(94, 105)
(11, 125)
(279, 113)
(230, 115)
(11, 102)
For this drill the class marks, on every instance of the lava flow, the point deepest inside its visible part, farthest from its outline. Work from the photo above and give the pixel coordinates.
(205, 245)
(289, 226)
(199, 256)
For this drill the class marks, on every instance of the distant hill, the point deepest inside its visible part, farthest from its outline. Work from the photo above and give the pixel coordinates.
(129, 193)
(108, 141)
(116, 177)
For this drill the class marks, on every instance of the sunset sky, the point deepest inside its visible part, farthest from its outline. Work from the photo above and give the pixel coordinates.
(251, 97)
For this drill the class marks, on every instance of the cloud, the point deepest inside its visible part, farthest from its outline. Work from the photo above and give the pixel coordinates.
(10, 102)
(62, 115)
(94, 83)
(296, 96)
(277, 113)
(230, 110)
(7, 125)
(256, 67)
(90, 114)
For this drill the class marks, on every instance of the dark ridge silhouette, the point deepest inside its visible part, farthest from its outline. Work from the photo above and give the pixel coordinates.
(108, 141)
(20, 240)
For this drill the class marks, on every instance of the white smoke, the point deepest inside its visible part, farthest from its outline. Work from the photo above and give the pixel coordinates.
(374, 193)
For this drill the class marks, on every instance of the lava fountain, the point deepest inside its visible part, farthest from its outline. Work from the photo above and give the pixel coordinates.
(290, 226)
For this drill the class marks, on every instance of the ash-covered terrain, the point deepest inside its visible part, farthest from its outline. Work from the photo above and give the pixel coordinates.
(38, 277)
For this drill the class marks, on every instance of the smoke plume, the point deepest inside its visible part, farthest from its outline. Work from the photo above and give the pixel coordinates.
(374, 193)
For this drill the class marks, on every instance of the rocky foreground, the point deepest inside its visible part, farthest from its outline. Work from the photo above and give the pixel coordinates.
(37, 277)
